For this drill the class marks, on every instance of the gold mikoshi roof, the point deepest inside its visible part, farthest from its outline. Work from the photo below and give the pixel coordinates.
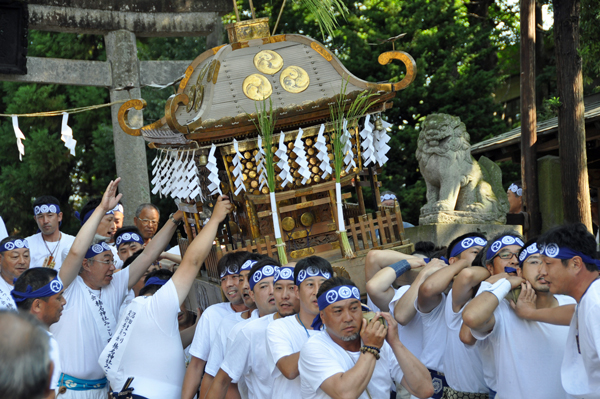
(219, 95)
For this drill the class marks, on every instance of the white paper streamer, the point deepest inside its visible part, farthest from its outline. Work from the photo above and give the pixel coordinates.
(259, 160)
(66, 134)
(338, 198)
(347, 149)
(156, 173)
(298, 149)
(20, 136)
(369, 154)
(381, 138)
(238, 170)
(321, 146)
(275, 217)
(286, 176)
(213, 177)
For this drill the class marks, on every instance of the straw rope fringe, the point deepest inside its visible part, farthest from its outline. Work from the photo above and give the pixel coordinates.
(68, 111)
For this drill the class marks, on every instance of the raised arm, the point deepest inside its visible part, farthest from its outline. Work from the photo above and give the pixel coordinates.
(198, 250)
(404, 310)
(464, 284)
(72, 264)
(377, 259)
(153, 249)
(430, 292)
(417, 379)
(525, 308)
(380, 287)
(478, 315)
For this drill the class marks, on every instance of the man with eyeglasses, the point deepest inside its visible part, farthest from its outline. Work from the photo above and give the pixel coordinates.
(526, 353)
(89, 318)
(146, 220)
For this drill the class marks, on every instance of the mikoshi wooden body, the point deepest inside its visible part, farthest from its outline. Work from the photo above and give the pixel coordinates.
(216, 102)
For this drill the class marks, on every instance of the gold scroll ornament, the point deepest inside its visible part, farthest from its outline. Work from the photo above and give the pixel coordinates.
(256, 87)
(268, 62)
(294, 79)
(411, 69)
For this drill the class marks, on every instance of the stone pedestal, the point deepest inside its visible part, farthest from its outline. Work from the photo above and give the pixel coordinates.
(442, 234)
(550, 194)
(461, 217)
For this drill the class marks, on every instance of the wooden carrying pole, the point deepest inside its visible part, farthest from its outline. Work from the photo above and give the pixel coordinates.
(529, 119)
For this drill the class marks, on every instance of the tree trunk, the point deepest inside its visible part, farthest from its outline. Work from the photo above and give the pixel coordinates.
(571, 123)
(529, 118)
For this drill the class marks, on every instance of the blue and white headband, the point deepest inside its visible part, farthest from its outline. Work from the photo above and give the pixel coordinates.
(515, 189)
(501, 243)
(467, 243)
(97, 249)
(87, 215)
(118, 208)
(284, 273)
(386, 197)
(232, 270)
(442, 258)
(46, 208)
(311, 271)
(333, 295)
(128, 237)
(247, 265)
(155, 281)
(14, 244)
(527, 252)
(53, 287)
(261, 274)
(554, 251)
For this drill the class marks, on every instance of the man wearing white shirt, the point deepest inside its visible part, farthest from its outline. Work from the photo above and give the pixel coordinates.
(441, 312)
(45, 302)
(206, 330)
(50, 246)
(229, 327)
(286, 336)
(351, 358)
(401, 301)
(151, 321)
(246, 356)
(93, 299)
(527, 354)
(570, 267)
(14, 260)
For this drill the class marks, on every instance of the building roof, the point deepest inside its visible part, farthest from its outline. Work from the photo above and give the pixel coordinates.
(546, 130)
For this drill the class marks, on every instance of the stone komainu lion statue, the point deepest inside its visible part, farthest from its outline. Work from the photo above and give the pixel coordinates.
(455, 180)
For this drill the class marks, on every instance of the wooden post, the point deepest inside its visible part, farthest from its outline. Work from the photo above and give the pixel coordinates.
(571, 122)
(529, 119)
(359, 195)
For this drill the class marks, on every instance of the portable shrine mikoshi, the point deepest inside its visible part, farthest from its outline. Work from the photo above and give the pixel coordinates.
(208, 142)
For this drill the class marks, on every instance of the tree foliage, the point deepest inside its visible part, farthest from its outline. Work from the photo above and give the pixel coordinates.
(47, 167)
(463, 50)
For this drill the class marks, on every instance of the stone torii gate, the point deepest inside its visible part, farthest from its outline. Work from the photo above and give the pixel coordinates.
(120, 21)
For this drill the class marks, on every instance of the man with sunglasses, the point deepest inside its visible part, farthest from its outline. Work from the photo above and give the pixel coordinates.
(526, 353)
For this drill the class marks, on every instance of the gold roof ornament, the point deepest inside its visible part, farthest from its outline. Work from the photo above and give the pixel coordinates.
(217, 101)
(220, 87)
